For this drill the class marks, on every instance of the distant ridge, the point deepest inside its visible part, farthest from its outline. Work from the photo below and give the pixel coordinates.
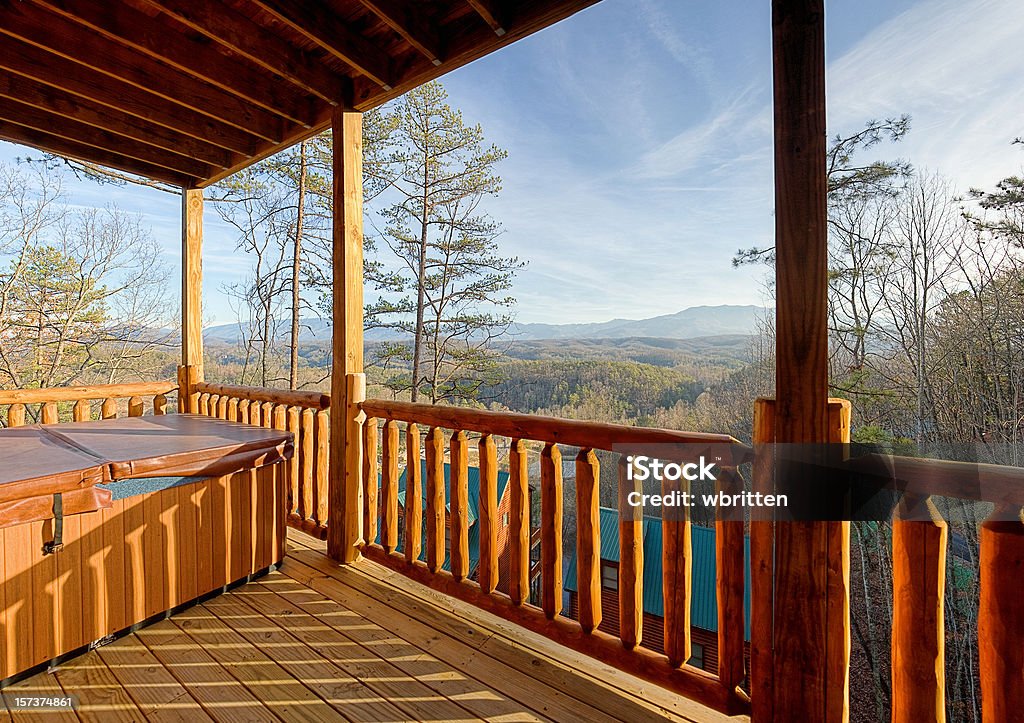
(691, 323)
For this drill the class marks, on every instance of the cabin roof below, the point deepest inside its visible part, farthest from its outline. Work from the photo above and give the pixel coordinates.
(187, 93)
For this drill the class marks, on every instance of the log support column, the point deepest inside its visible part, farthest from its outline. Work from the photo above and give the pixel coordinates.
(191, 370)
(810, 650)
(348, 384)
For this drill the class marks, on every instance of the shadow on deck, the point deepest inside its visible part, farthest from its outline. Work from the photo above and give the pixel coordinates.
(315, 641)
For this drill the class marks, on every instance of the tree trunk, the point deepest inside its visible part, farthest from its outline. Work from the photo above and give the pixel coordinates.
(293, 366)
(417, 351)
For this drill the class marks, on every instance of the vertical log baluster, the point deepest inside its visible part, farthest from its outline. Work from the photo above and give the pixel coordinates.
(204, 404)
(677, 573)
(278, 417)
(435, 499)
(389, 488)
(222, 407)
(49, 413)
(413, 544)
(1001, 616)
(267, 412)
(305, 442)
(16, 415)
(631, 561)
(371, 481)
(729, 587)
(323, 464)
(459, 455)
(243, 411)
(489, 522)
(295, 489)
(212, 405)
(135, 407)
(81, 412)
(108, 410)
(160, 405)
(551, 529)
(588, 538)
(233, 409)
(519, 522)
(918, 623)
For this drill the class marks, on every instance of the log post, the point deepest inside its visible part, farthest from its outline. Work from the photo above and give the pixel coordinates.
(804, 685)
(348, 385)
(191, 291)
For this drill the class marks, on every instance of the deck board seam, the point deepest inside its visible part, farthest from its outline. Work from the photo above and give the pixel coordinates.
(529, 703)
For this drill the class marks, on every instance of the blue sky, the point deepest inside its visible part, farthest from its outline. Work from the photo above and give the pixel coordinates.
(639, 139)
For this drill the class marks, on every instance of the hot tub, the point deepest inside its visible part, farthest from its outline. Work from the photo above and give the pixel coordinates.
(111, 524)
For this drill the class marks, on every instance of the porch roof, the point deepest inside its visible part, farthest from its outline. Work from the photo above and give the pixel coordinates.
(188, 93)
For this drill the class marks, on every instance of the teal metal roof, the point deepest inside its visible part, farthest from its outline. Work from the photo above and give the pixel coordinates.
(704, 596)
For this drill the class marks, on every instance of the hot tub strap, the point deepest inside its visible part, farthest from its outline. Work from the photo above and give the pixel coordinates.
(58, 527)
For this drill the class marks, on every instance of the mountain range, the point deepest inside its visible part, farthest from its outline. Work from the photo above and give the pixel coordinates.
(690, 323)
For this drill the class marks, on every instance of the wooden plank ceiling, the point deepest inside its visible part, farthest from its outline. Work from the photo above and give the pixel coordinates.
(188, 92)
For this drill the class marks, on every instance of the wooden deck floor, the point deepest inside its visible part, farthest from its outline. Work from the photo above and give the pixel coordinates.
(317, 642)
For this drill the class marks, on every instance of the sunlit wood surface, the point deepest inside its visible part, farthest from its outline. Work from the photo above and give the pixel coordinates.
(314, 641)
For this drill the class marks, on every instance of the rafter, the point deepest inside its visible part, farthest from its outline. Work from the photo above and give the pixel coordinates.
(64, 105)
(237, 32)
(162, 38)
(55, 33)
(54, 144)
(491, 13)
(63, 76)
(317, 23)
(74, 130)
(406, 20)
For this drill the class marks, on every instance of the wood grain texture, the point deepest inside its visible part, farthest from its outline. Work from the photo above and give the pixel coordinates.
(435, 499)
(192, 283)
(344, 533)
(1000, 618)
(459, 505)
(631, 561)
(489, 522)
(588, 538)
(413, 542)
(519, 522)
(551, 529)
(389, 488)
(918, 622)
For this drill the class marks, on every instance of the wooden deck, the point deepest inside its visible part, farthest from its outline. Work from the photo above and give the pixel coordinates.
(315, 642)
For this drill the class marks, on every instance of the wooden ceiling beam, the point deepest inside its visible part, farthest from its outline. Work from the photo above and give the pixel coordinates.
(163, 39)
(321, 25)
(491, 13)
(405, 19)
(65, 105)
(73, 130)
(54, 144)
(69, 39)
(59, 75)
(236, 31)
(468, 43)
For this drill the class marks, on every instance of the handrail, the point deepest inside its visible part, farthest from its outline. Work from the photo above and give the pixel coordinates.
(1001, 484)
(291, 398)
(97, 391)
(568, 432)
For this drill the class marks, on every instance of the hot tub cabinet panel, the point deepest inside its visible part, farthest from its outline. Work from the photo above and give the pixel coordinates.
(158, 544)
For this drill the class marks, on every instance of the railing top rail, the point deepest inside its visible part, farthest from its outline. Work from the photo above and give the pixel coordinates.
(996, 483)
(96, 391)
(316, 400)
(569, 432)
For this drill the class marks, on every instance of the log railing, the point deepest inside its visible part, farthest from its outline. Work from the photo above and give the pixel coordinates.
(81, 404)
(305, 415)
(417, 431)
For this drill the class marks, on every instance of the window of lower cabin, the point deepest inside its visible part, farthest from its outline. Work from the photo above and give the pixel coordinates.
(696, 656)
(609, 576)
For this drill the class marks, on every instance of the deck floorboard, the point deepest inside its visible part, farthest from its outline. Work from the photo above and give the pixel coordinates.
(315, 641)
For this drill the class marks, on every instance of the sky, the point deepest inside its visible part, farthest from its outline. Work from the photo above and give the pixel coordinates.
(640, 142)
